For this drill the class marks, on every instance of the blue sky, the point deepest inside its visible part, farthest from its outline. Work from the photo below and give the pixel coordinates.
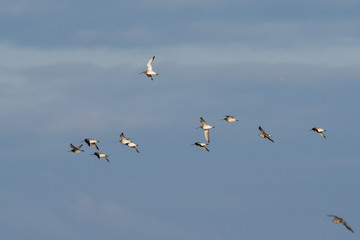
(70, 70)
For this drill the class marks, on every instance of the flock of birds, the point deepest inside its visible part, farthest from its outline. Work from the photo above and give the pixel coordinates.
(90, 141)
(204, 125)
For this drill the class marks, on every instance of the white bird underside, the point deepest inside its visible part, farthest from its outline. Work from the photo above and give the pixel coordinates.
(206, 134)
(149, 72)
(230, 119)
(123, 139)
(149, 64)
(206, 128)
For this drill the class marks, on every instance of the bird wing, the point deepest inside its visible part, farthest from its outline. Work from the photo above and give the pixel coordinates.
(322, 134)
(269, 137)
(262, 130)
(334, 216)
(135, 149)
(207, 137)
(202, 121)
(203, 147)
(149, 76)
(149, 64)
(72, 146)
(106, 158)
(95, 146)
(347, 226)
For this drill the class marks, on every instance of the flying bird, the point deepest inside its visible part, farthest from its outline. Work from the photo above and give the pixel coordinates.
(123, 139)
(319, 131)
(149, 72)
(76, 149)
(230, 119)
(101, 155)
(202, 145)
(206, 128)
(92, 142)
(263, 134)
(341, 220)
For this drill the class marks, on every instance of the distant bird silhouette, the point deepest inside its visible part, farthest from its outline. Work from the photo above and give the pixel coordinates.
(92, 142)
(230, 119)
(341, 220)
(319, 131)
(206, 128)
(101, 155)
(149, 72)
(263, 134)
(202, 145)
(76, 149)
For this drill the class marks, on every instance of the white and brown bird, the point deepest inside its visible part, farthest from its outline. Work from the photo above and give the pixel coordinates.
(92, 142)
(76, 149)
(123, 139)
(149, 72)
(202, 145)
(341, 220)
(101, 155)
(319, 131)
(263, 134)
(206, 127)
(230, 119)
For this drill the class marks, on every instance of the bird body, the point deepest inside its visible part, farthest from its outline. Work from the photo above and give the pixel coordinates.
(206, 127)
(230, 119)
(149, 72)
(263, 134)
(123, 139)
(128, 142)
(101, 155)
(76, 149)
(341, 220)
(92, 142)
(319, 131)
(202, 145)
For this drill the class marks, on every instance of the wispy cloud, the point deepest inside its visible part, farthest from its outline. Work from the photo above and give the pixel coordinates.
(15, 8)
(330, 54)
(111, 214)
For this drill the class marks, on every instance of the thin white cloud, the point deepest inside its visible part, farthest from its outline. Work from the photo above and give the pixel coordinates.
(15, 8)
(114, 215)
(231, 53)
(132, 35)
(31, 218)
(176, 4)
